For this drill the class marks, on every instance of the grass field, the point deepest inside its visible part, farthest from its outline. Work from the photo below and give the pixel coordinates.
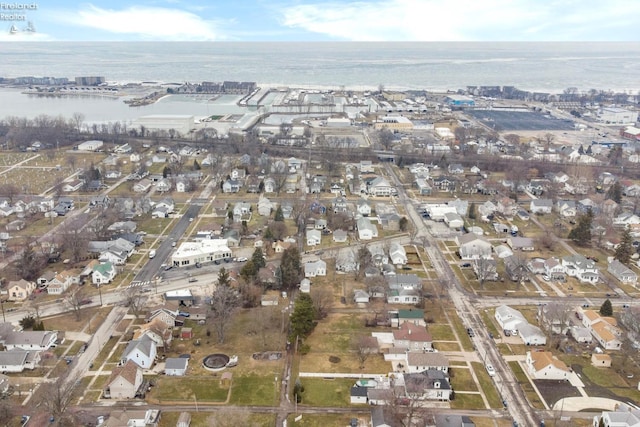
(326, 392)
(188, 389)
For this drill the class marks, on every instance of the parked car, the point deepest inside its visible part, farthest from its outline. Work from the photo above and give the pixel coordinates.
(490, 369)
(192, 279)
(470, 332)
(242, 259)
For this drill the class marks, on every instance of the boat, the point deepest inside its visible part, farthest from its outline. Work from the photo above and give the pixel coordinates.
(30, 28)
(13, 30)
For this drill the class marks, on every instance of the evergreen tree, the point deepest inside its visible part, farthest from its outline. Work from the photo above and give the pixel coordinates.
(196, 165)
(403, 223)
(279, 216)
(166, 171)
(223, 277)
(249, 271)
(472, 211)
(258, 259)
(581, 233)
(625, 248)
(302, 318)
(615, 192)
(290, 268)
(606, 309)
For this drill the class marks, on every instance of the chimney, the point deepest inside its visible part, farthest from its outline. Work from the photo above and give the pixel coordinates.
(409, 331)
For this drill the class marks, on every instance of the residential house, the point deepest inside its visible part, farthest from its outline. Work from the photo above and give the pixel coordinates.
(231, 186)
(167, 315)
(18, 360)
(397, 254)
(265, 206)
(280, 246)
(412, 337)
(543, 365)
(73, 186)
(142, 186)
(453, 220)
(455, 169)
(432, 384)
(157, 330)
(404, 281)
(524, 244)
(486, 210)
(415, 316)
(444, 183)
(241, 212)
(294, 164)
(361, 296)
(29, 340)
(176, 366)
(471, 246)
(366, 229)
(541, 206)
(485, 269)
(623, 273)
(626, 220)
(315, 268)
(516, 268)
(531, 334)
(424, 189)
(103, 273)
(446, 420)
(604, 329)
(142, 351)
(314, 237)
(238, 173)
(390, 221)
(403, 296)
(340, 236)
(124, 382)
(365, 166)
(364, 207)
(269, 185)
(622, 416)
(163, 185)
(509, 318)
(419, 361)
(219, 208)
(567, 208)
(507, 207)
(358, 395)
(583, 269)
(61, 282)
(19, 290)
(339, 204)
(379, 187)
(554, 269)
(305, 286)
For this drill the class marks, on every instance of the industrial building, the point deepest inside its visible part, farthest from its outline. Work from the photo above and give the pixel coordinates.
(459, 101)
(394, 123)
(617, 116)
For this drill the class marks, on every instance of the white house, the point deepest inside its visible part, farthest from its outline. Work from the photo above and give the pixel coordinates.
(142, 351)
(583, 269)
(366, 229)
(543, 365)
(314, 237)
(361, 296)
(18, 360)
(623, 273)
(30, 340)
(530, 334)
(380, 187)
(176, 366)
(315, 268)
(103, 273)
(397, 254)
(453, 220)
(471, 246)
(509, 318)
(541, 206)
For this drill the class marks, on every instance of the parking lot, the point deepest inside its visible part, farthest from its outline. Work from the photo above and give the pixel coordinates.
(520, 120)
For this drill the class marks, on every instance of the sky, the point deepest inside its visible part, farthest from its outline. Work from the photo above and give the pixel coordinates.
(309, 20)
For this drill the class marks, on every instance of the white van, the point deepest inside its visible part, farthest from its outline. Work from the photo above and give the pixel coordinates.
(152, 253)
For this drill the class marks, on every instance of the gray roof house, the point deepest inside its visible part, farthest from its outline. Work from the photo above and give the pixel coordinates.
(623, 273)
(176, 366)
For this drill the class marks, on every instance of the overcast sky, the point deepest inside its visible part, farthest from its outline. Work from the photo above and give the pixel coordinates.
(307, 20)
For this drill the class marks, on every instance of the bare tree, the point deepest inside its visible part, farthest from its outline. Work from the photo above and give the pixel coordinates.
(74, 237)
(548, 240)
(364, 260)
(322, 301)
(57, 396)
(363, 347)
(224, 302)
(74, 301)
(134, 299)
(77, 120)
(485, 270)
(10, 191)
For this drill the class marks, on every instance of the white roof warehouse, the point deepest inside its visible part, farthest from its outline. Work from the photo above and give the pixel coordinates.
(203, 251)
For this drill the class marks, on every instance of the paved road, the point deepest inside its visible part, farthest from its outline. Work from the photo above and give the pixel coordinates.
(516, 401)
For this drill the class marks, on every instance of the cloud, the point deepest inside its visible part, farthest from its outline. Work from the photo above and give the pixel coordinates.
(147, 23)
(464, 20)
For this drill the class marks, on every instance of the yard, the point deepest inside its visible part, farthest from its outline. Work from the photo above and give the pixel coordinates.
(188, 389)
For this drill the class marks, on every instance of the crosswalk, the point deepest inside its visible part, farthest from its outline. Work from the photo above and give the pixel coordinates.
(138, 283)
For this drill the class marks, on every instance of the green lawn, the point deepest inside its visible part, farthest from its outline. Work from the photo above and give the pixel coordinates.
(253, 390)
(441, 332)
(325, 420)
(487, 385)
(188, 388)
(330, 392)
(461, 379)
(467, 401)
